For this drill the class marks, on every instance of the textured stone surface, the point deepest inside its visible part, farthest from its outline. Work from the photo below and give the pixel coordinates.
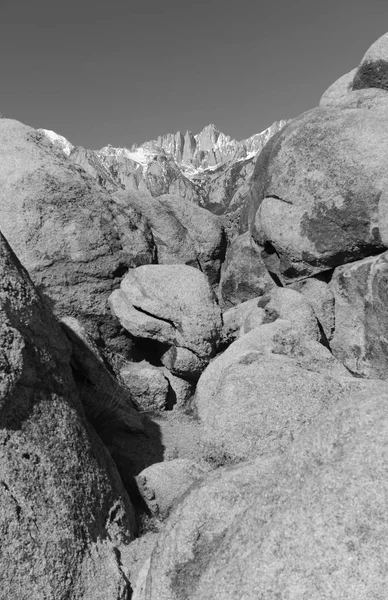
(339, 90)
(373, 69)
(244, 275)
(284, 303)
(64, 513)
(254, 318)
(163, 483)
(181, 389)
(321, 193)
(367, 98)
(309, 524)
(361, 316)
(104, 399)
(183, 232)
(75, 241)
(147, 385)
(321, 298)
(255, 397)
(235, 318)
(173, 305)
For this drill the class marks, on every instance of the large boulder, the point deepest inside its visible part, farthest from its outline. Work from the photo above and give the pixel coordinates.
(244, 274)
(339, 90)
(183, 232)
(320, 191)
(256, 396)
(180, 390)
(319, 295)
(148, 387)
(235, 318)
(309, 524)
(161, 484)
(73, 238)
(365, 98)
(360, 338)
(371, 76)
(173, 305)
(64, 513)
(284, 303)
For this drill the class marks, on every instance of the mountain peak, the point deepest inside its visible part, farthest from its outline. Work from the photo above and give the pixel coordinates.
(58, 140)
(211, 127)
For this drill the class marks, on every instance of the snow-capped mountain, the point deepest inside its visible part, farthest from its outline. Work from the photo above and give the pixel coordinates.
(209, 168)
(58, 140)
(209, 148)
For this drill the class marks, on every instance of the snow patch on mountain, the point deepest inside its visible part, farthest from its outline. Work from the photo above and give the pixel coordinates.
(58, 140)
(140, 155)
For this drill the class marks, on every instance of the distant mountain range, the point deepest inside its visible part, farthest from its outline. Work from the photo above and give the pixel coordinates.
(208, 168)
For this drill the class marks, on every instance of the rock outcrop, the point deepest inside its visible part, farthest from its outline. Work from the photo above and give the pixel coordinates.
(254, 398)
(162, 484)
(283, 303)
(64, 513)
(339, 90)
(311, 523)
(182, 231)
(244, 274)
(321, 192)
(75, 241)
(360, 338)
(173, 305)
(234, 319)
(373, 69)
(262, 442)
(107, 403)
(148, 387)
(321, 298)
(209, 148)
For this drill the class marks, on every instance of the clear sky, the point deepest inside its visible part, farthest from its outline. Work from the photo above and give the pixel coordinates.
(123, 72)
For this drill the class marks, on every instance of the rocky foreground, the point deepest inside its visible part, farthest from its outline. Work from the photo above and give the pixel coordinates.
(192, 410)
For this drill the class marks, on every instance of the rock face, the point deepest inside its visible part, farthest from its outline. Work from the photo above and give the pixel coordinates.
(64, 511)
(209, 148)
(256, 396)
(373, 69)
(360, 338)
(309, 524)
(175, 306)
(58, 141)
(339, 90)
(183, 232)
(244, 274)
(148, 386)
(321, 298)
(104, 400)
(162, 484)
(235, 318)
(283, 303)
(96, 168)
(146, 169)
(321, 193)
(75, 241)
(342, 94)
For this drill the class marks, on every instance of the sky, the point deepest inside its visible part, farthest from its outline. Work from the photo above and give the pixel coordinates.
(123, 72)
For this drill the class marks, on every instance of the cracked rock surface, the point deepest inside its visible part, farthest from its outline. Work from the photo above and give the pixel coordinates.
(64, 512)
(175, 306)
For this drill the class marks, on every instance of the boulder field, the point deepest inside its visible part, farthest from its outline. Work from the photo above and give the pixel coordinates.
(187, 414)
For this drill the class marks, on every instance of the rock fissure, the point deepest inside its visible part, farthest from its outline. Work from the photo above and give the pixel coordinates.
(158, 317)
